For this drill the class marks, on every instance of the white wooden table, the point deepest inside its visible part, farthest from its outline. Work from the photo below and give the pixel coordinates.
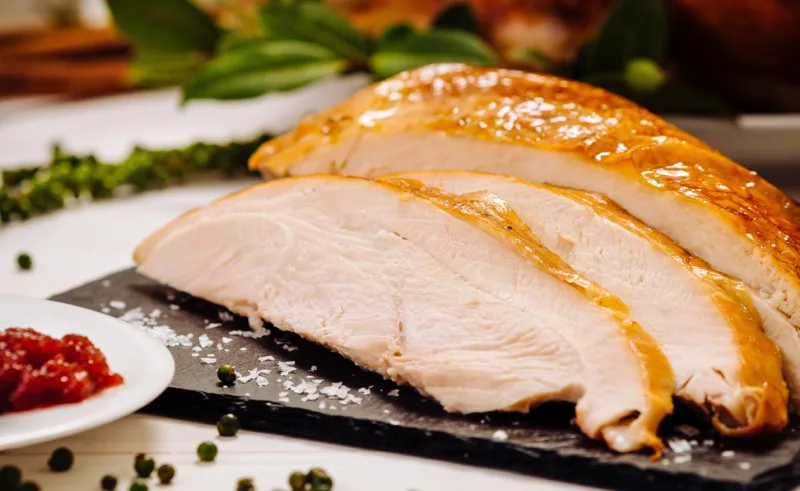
(73, 246)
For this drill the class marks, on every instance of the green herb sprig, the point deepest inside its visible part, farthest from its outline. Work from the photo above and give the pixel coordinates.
(32, 191)
(292, 43)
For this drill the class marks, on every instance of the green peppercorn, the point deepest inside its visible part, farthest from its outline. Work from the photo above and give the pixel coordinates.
(226, 374)
(644, 75)
(138, 485)
(228, 425)
(165, 474)
(144, 466)
(28, 486)
(297, 481)
(24, 261)
(61, 460)
(319, 480)
(245, 485)
(10, 477)
(108, 483)
(207, 451)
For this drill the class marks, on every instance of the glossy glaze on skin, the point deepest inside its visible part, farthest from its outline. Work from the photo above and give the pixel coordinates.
(568, 118)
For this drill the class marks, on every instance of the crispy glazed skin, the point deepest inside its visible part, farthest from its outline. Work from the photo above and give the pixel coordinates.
(549, 113)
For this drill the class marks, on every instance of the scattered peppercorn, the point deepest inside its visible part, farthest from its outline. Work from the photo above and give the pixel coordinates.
(207, 451)
(245, 485)
(165, 473)
(144, 466)
(228, 425)
(138, 485)
(226, 374)
(24, 261)
(644, 75)
(297, 481)
(319, 480)
(108, 483)
(61, 460)
(10, 478)
(28, 486)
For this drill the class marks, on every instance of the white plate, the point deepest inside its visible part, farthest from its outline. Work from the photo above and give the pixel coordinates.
(145, 364)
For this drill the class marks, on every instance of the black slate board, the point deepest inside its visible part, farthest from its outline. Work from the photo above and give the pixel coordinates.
(543, 443)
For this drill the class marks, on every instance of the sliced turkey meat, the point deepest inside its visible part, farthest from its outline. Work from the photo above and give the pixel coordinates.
(549, 130)
(704, 321)
(425, 291)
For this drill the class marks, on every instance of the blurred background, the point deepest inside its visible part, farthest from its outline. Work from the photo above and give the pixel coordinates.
(724, 70)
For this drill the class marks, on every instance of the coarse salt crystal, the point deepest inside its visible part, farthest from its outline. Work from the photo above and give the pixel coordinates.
(680, 446)
(225, 316)
(284, 399)
(205, 341)
(261, 381)
(286, 367)
(394, 393)
(174, 307)
(208, 360)
(744, 465)
(266, 358)
(313, 368)
(252, 375)
(728, 454)
(226, 340)
(213, 325)
(500, 435)
(394, 422)
(117, 304)
(197, 348)
(106, 283)
(155, 314)
(386, 411)
(365, 390)
(242, 349)
(682, 459)
(105, 310)
(283, 394)
(322, 405)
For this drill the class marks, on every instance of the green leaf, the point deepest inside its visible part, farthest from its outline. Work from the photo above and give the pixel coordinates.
(394, 34)
(634, 29)
(436, 46)
(165, 25)
(457, 16)
(267, 67)
(313, 22)
(163, 69)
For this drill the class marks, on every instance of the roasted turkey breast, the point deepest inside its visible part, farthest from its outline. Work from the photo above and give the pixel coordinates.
(549, 130)
(452, 295)
(704, 321)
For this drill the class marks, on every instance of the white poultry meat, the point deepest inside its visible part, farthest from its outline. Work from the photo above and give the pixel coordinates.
(453, 296)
